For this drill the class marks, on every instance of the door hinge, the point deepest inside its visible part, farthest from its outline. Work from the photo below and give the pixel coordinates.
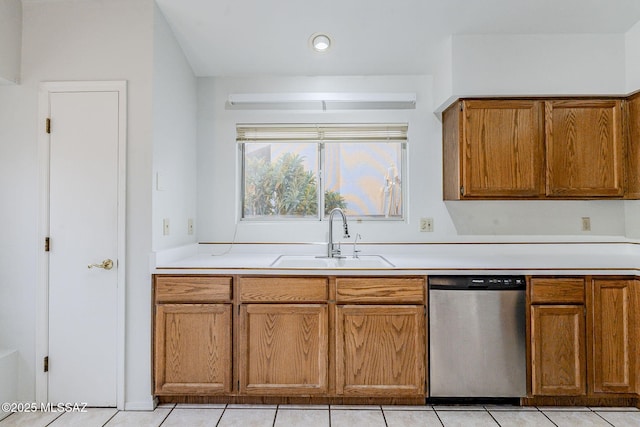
(47, 125)
(461, 106)
(46, 363)
(462, 190)
(47, 244)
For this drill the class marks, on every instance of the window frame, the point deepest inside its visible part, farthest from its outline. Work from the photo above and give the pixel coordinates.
(320, 167)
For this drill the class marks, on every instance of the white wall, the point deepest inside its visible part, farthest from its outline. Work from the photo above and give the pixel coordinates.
(443, 74)
(174, 139)
(539, 64)
(10, 40)
(218, 169)
(218, 204)
(76, 40)
(632, 48)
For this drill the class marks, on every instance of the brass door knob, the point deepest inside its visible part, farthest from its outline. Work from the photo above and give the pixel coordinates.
(107, 264)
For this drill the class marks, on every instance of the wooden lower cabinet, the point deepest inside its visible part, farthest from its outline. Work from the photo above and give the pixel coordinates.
(192, 349)
(283, 349)
(291, 338)
(380, 350)
(612, 320)
(558, 362)
(584, 343)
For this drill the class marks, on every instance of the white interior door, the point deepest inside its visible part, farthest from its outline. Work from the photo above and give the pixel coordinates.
(83, 229)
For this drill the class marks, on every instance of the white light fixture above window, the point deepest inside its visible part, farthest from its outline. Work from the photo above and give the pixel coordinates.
(321, 101)
(320, 42)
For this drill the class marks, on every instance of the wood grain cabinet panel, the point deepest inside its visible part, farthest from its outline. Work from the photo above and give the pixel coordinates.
(192, 349)
(633, 148)
(584, 148)
(612, 324)
(283, 349)
(380, 350)
(380, 290)
(557, 290)
(192, 289)
(283, 289)
(558, 363)
(499, 147)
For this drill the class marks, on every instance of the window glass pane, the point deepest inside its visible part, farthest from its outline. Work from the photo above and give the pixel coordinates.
(280, 180)
(364, 178)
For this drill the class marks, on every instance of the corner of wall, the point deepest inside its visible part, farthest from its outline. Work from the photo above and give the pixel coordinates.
(632, 59)
(10, 41)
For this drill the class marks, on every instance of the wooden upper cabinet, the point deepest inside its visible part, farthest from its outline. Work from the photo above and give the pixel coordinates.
(633, 147)
(612, 323)
(584, 148)
(498, 145)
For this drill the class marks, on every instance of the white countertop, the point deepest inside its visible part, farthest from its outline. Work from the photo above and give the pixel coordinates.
(606, 258)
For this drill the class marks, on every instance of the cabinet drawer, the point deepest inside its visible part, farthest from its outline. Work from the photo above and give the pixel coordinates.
(380, 290)
(557, 290)
(188, 289)
(283, 289)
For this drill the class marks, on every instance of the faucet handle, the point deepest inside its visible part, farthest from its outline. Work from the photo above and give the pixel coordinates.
(355, 242)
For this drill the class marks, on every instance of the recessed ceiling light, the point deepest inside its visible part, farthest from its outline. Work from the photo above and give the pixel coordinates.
(320, 42)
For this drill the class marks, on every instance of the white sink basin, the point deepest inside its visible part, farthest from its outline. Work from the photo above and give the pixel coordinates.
(310, 261)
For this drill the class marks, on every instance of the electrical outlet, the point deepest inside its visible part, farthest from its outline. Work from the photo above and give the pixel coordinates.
(165, 226)
(586, 223)
(190, 226)
(426, 224)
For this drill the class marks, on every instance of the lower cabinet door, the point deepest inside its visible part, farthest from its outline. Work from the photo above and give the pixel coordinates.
(283, 349)
(193, 349)
(558, 362)
(380, 350)
(612, 369)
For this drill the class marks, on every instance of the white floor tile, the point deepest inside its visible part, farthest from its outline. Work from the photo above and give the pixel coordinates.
(407, 408)
(166, 405)
(510, 408)
(139, 418)
(521, 419)
(466, 419)
(249, 406)
(29, 419)
(458, 407)
(622, 419)
(576, 419)
(302, 418)
(193, 418)
(357, 418)
(93, 417)
(287, 407)
(614, 409)
(411, 419)
(201, 405)
(564, 408)
(247, 417)
(358, 407)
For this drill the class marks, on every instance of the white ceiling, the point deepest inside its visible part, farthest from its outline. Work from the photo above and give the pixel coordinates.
(370, 37)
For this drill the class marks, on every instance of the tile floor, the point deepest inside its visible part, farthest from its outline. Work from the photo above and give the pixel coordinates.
(334, 416)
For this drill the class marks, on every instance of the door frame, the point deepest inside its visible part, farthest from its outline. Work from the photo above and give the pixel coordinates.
(42, 290)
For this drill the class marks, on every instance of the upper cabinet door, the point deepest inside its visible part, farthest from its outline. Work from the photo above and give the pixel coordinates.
(584, 143)
(503, 149)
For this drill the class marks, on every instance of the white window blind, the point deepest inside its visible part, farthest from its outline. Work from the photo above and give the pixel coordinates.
(321, 132)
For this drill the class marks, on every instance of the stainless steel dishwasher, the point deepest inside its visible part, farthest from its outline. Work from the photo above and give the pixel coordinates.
(477, 343)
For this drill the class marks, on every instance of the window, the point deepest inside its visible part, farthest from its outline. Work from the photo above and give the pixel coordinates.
(304, 171)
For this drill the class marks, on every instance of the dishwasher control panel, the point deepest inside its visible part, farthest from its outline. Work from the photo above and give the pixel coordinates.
(477, 282)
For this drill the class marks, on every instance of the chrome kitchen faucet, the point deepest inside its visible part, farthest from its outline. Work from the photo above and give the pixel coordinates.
(333, 250)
